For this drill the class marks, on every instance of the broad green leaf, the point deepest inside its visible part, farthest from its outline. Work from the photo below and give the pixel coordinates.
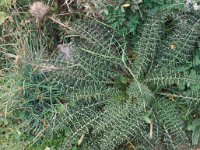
(147, 119)
(196, 60)
(190, 127)
(5, 3)
(196, 122)
(3, 17)
(74, 148)
(195, 135)
(181, 86)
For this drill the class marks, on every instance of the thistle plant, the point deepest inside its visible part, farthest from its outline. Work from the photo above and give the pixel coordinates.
(101, 97)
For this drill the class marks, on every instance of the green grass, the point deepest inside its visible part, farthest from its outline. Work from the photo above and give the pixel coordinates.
(31, 97)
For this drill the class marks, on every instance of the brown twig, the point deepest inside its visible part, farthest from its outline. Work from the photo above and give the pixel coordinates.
(151, 131)
(60, 23)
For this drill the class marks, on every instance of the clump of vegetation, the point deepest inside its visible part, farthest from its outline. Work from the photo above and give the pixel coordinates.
(99, 75)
